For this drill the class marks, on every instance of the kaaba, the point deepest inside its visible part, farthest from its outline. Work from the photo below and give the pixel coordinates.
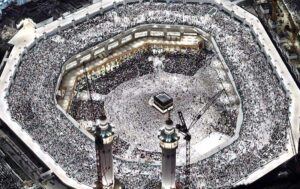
(163, 101)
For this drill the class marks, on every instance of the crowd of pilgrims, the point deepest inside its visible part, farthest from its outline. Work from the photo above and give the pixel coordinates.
(186, 62)
(131, 67)
(263, 135)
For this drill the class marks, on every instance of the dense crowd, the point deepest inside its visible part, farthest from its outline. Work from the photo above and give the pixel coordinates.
(133, 66)
(86, 109)
(140, 63)
(187, 63)
(128, 104)
(265, 107)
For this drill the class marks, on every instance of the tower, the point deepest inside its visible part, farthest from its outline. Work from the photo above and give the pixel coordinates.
(168, 143)
(104, 141)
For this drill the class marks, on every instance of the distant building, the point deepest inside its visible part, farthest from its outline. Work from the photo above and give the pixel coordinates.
(5, 3)
(265, 8)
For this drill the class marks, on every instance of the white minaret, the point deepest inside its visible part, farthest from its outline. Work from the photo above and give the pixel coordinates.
(168, 143)
(104, 152)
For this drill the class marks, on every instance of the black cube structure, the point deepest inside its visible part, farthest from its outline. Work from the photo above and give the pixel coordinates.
(163, 102)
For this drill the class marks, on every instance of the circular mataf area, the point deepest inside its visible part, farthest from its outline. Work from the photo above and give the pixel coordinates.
(138, 123)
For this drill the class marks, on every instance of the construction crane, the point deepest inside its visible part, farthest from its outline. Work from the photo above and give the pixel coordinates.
(185, 131)
(98, 139)
(89, 91)
(187, 137)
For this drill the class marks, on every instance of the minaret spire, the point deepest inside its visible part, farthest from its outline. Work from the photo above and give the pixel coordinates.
(168, 143)
(103, 142)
